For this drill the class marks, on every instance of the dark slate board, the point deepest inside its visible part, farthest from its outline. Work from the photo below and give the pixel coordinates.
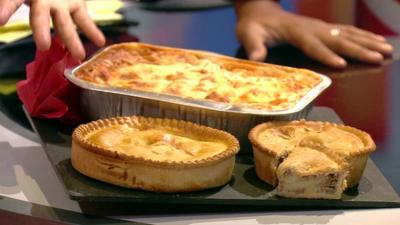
(244, 192)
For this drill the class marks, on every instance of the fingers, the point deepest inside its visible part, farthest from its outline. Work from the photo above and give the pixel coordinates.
(65, 27)
(381, 47)
(327, 41)
(64, 17)
(85, 23)
(360, 32)
(252, 38)
(370, 42)
(358, 44)
(40, 24)
(7, 8)
(356, 51)
(317, 50)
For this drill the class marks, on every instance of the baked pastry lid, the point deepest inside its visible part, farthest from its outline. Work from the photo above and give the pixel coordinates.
(210, 105)
(232, 144)
(369, 145)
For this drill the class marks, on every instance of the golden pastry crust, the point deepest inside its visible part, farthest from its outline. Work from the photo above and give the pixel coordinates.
(162, 155)
(198, 75)
(347, 146)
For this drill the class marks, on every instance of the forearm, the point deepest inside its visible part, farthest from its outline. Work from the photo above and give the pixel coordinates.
(246, 7)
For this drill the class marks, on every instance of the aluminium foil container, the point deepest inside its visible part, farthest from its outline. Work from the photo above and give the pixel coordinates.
(103, 102)
(99, 102)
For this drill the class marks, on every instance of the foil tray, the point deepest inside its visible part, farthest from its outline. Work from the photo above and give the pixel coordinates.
(99, 102)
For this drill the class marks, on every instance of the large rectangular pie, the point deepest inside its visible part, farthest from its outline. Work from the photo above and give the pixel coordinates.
(198, 75)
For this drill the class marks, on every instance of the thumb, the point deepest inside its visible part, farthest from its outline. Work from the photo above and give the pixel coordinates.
(252, 39)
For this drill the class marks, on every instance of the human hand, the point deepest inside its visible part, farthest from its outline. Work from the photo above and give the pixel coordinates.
(65, 15)
(265, 23)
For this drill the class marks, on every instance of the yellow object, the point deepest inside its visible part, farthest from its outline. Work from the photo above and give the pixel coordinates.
(10, 36)
(102, 12)
(8, 86)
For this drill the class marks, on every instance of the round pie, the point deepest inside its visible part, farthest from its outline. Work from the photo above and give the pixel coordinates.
(324, 149)
(161, 155)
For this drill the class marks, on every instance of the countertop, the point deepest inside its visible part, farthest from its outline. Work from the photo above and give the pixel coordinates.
(364, 96)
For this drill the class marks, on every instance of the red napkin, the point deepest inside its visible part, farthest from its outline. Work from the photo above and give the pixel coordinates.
(46, 93)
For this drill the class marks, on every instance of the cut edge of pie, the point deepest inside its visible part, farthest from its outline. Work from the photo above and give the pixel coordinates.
(127, 170)
(308, 173)
(267, 160)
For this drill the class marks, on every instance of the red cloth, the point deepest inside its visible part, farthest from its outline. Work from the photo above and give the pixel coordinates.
(46, 93)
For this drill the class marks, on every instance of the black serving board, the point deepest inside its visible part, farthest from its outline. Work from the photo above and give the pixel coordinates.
(244, 190)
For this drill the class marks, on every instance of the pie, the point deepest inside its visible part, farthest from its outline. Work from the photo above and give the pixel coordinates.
(160, 155)
(198, 75)
(286, 153)
(309, 173)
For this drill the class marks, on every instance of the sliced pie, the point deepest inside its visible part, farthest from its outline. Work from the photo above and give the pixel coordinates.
(308, 173)
(160, 155)
(273, 142)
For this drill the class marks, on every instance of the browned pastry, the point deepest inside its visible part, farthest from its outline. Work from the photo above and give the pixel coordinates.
(198, 75)
(275, 142)
(160, 155)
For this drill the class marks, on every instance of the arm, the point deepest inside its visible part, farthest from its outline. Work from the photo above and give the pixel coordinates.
(66, 15)
(264, 23)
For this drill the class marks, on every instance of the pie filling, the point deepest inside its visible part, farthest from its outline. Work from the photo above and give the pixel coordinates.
(153, 143)
(327, 186)
(307, 173)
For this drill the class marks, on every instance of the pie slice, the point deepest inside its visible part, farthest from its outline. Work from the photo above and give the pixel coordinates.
(160, 155)
(308, 173)
(274, 141)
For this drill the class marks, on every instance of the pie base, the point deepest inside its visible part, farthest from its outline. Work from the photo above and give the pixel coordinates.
(266, 165)
(150, 178)
(355, 166)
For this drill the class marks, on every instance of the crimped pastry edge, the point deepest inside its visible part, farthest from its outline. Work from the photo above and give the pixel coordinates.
(195, 129)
